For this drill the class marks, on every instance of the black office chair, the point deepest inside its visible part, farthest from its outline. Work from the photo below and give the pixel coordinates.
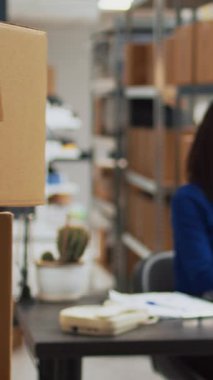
(156, 275)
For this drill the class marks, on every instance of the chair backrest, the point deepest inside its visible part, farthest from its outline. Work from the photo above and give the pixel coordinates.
(155, 274)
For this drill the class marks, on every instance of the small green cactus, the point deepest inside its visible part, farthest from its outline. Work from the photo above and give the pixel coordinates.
(47, 256)
(71, 243)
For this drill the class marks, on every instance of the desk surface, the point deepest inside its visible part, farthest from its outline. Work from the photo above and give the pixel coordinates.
(174, 337)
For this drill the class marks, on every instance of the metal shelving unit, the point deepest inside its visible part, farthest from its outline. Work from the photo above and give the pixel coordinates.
(105, 87)
(140, 92)
(156, 186)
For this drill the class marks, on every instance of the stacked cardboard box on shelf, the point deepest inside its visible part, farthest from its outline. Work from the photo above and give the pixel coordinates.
(204, 52)
(142, 217)
(184, 47)
(104, 183)
(142, 153)
(185, 143)
(105, 249)
(98, 116)
(138, 64)
(170, 60)
(132, 260)
(188, 54)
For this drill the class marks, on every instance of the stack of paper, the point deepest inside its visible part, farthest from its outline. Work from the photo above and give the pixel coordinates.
(165, 305)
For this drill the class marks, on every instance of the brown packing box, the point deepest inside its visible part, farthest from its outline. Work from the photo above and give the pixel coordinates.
(105, 249)
(170, 60)
(204, 52)
(138, 64)
(23, 71)
(132, 261)
(98, 115)
(142, 153)
(185, 46)
(104, 183)
(51, 81)
(185, 144)
(141, 217)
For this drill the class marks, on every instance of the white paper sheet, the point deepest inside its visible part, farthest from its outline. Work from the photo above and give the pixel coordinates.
(166, 305)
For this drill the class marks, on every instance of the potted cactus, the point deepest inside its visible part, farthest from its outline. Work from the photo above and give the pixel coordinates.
(68, 276)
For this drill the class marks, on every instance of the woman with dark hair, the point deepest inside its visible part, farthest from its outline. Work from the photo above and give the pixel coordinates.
(192, 216)
(192, 219)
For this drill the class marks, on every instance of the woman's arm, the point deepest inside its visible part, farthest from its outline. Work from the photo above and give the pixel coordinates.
(194, 256)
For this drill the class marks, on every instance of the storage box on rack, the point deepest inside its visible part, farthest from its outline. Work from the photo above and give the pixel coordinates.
(138, 64)
(185, 46)
(170, 60)
(132, 261)
(204, 52)
(104, 183)
(98, 116)
(142, 156)
(142, 219)
(185, 143)
(105, 246)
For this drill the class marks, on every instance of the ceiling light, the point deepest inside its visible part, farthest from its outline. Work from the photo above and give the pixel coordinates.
(114, 5)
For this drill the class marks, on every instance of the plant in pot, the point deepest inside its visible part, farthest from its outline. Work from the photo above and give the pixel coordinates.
(67, 277)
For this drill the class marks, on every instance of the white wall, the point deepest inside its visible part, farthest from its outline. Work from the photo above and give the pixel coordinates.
(69, 53)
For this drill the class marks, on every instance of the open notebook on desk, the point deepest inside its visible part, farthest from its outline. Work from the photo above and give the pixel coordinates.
(166, 304)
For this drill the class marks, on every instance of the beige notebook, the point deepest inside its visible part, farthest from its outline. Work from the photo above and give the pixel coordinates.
(103, 320)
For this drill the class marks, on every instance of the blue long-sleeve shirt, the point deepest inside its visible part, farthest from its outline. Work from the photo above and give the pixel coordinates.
(192, 219)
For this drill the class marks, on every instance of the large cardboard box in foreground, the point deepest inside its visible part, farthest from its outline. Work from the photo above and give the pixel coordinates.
(23, 88)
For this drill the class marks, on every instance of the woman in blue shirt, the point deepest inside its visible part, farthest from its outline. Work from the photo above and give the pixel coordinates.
(192, 216)
(192, 219)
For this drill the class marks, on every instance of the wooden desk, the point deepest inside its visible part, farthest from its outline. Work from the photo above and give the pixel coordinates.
(59, 355)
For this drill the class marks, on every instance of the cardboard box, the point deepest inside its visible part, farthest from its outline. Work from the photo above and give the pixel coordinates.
(142, 219)
(51, 81)
(185, 46)
(138, 64)
(170, 60)
(143, 156)
(105, 247)
(185, 144)
(132, 261)
(98, 116)
(23, 72)
(104, 184)
(204, 52)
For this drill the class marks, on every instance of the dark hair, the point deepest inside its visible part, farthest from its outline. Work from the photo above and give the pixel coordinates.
(200, 159)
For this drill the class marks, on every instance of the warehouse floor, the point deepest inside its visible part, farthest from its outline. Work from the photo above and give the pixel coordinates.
(113, 368)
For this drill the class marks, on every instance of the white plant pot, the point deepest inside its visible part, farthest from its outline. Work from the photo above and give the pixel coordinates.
(62, 282)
